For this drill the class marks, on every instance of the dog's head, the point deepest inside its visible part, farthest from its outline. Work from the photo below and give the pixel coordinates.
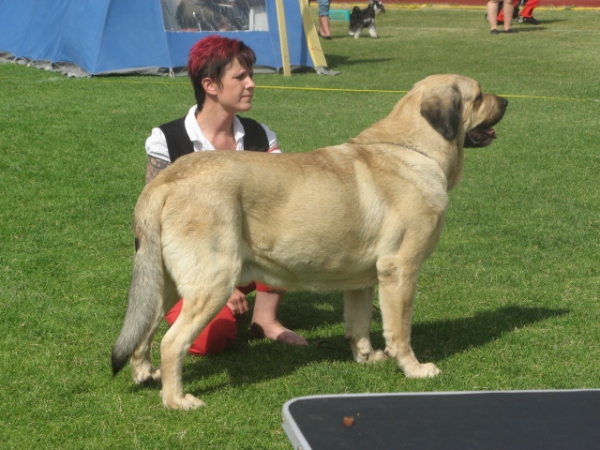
(456, 108)
(377, 6)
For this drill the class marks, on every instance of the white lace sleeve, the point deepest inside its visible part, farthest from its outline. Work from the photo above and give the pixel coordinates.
(156, 145)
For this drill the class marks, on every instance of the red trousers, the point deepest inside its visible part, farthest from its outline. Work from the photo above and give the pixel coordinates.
(526, 12)
(221, 331)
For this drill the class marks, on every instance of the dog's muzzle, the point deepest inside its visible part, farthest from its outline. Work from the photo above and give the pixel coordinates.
(484, 134)
(480, 137)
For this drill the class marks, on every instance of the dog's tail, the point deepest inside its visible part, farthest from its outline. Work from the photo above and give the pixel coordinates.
(147, 281)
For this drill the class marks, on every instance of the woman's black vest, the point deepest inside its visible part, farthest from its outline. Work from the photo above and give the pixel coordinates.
(179, 143)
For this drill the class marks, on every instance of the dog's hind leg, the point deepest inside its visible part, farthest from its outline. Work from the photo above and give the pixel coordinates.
(358, 312)
(141, 364)
(205, 267)
(199, 308)
(397, 286)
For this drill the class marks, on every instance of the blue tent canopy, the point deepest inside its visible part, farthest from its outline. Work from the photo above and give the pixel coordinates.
(103, 37)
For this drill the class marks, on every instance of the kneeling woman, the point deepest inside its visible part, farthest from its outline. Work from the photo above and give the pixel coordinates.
(221, 71)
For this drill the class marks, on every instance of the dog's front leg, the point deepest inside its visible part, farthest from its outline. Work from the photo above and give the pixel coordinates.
(397, 286)
(358, 312)
(373, 31)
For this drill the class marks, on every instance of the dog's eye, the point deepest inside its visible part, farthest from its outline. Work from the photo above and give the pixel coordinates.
(479, 97)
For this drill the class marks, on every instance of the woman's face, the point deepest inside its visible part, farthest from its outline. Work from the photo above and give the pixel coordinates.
(237, 88)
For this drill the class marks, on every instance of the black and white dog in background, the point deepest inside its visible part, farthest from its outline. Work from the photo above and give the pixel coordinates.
(365, 18)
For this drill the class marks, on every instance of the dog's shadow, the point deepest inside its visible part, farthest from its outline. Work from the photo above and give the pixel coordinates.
(530, 30)
(441, 339)
(547, 22)
(248, 362)
(334, 61)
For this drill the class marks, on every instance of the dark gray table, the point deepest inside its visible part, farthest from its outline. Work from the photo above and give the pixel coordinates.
(514, 420)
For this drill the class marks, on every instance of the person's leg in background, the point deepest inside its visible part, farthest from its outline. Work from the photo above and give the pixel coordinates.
(501, 11)
(324, 30)
(527, 12)
(492, 12)
(508, 9)
(492, 15)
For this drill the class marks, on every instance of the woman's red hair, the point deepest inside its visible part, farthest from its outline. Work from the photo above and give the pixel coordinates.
(209, 57)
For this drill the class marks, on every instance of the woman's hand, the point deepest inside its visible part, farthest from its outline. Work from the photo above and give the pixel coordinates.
(238, 304)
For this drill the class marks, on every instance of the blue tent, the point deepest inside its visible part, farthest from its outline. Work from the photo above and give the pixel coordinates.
(102, 37)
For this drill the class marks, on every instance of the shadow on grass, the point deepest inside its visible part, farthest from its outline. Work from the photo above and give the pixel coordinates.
(441, 339)
(253, 362)
(546, 22)
(250, 361)
(529, 30)
(334, 61)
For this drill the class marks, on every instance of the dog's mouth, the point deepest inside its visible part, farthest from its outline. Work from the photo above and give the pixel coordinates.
(480, 137)
(484, 133)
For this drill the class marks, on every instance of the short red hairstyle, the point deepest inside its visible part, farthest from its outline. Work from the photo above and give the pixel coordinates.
(209, 57)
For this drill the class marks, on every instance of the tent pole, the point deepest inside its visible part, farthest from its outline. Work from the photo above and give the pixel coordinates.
(283, 41)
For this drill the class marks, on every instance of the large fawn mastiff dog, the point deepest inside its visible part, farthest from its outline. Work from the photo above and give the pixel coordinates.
(346, 217)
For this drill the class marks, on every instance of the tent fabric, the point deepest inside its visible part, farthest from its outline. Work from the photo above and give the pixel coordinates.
(106, 37)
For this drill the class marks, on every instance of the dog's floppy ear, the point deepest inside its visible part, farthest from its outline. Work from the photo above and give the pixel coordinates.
(442, 107)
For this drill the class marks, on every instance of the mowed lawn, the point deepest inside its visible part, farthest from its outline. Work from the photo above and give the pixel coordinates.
(509, 299)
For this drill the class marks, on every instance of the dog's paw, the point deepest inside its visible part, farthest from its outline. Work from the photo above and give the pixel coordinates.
(371, 357)
(147, 375)
(185, 403)
(376, 356)
(428, 370)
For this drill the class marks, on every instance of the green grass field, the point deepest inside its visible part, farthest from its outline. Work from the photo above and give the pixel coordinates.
(508, 300)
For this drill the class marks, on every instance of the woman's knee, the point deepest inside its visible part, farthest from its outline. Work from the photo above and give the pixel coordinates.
(324, 7)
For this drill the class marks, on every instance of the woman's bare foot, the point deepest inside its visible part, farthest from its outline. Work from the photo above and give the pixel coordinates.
(265, 323)
(278, 333)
